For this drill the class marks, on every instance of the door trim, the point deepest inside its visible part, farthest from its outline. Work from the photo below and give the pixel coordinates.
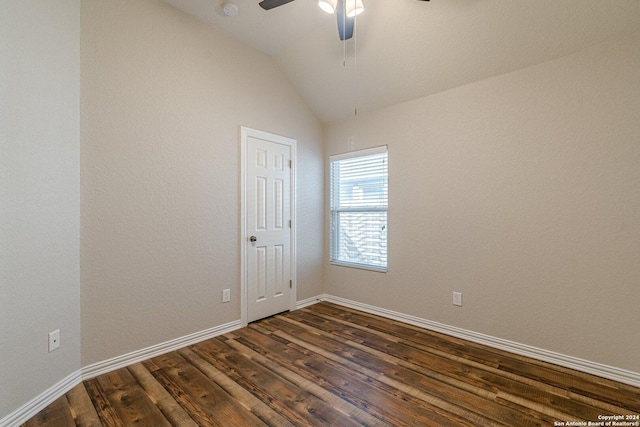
(245, 133)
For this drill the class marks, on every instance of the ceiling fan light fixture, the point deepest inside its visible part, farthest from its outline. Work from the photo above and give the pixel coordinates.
(328, 6)
(354, 7)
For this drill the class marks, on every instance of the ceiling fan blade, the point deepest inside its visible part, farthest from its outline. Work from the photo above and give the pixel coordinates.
(270, 4)
(345, 24)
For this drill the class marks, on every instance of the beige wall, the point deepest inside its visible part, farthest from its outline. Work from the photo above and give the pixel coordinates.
(39, 196)
(523, 192)
(163, 99)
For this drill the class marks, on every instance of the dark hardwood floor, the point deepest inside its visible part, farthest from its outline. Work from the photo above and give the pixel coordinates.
(327, 365)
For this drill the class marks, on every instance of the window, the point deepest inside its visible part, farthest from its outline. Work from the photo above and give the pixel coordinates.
(359, 194)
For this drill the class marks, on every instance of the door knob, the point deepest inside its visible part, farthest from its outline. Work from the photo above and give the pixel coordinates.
(253, 239)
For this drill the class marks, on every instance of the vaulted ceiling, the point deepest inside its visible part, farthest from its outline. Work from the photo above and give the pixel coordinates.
(407, 49)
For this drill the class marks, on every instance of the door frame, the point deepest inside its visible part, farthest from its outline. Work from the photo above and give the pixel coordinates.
(245, 134)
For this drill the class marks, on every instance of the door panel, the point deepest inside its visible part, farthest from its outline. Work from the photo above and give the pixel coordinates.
(268, 211)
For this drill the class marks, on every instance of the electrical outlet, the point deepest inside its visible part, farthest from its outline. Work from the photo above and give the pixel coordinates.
(457, 298)
(54, 340)
(226, 295)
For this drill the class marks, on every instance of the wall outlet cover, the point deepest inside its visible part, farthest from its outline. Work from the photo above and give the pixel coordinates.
(54, 340)
(457, 298)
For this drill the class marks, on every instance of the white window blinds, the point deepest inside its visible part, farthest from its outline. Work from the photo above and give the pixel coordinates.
(359, 199)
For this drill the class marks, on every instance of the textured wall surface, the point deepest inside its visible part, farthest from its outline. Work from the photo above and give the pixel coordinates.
(163, 99)
(522, 192)
(39, 196)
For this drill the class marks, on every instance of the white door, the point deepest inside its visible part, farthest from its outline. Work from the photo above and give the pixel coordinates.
(268, 182)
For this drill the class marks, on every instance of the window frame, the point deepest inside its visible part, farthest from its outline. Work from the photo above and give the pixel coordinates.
(334, 211)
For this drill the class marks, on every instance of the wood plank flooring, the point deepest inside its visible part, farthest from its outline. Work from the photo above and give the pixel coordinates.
(327, 365)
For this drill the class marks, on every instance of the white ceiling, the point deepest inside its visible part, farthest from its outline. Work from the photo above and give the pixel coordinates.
(407, 49)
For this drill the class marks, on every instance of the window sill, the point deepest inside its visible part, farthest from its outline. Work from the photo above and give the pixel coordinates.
(360, 266)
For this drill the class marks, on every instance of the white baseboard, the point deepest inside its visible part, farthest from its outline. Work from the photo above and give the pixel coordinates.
(309, 301)
(31, 408)
(25, 412)
(594, 368)
(118, 362)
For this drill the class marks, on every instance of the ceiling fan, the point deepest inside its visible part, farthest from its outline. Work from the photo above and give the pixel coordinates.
(346, 11)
